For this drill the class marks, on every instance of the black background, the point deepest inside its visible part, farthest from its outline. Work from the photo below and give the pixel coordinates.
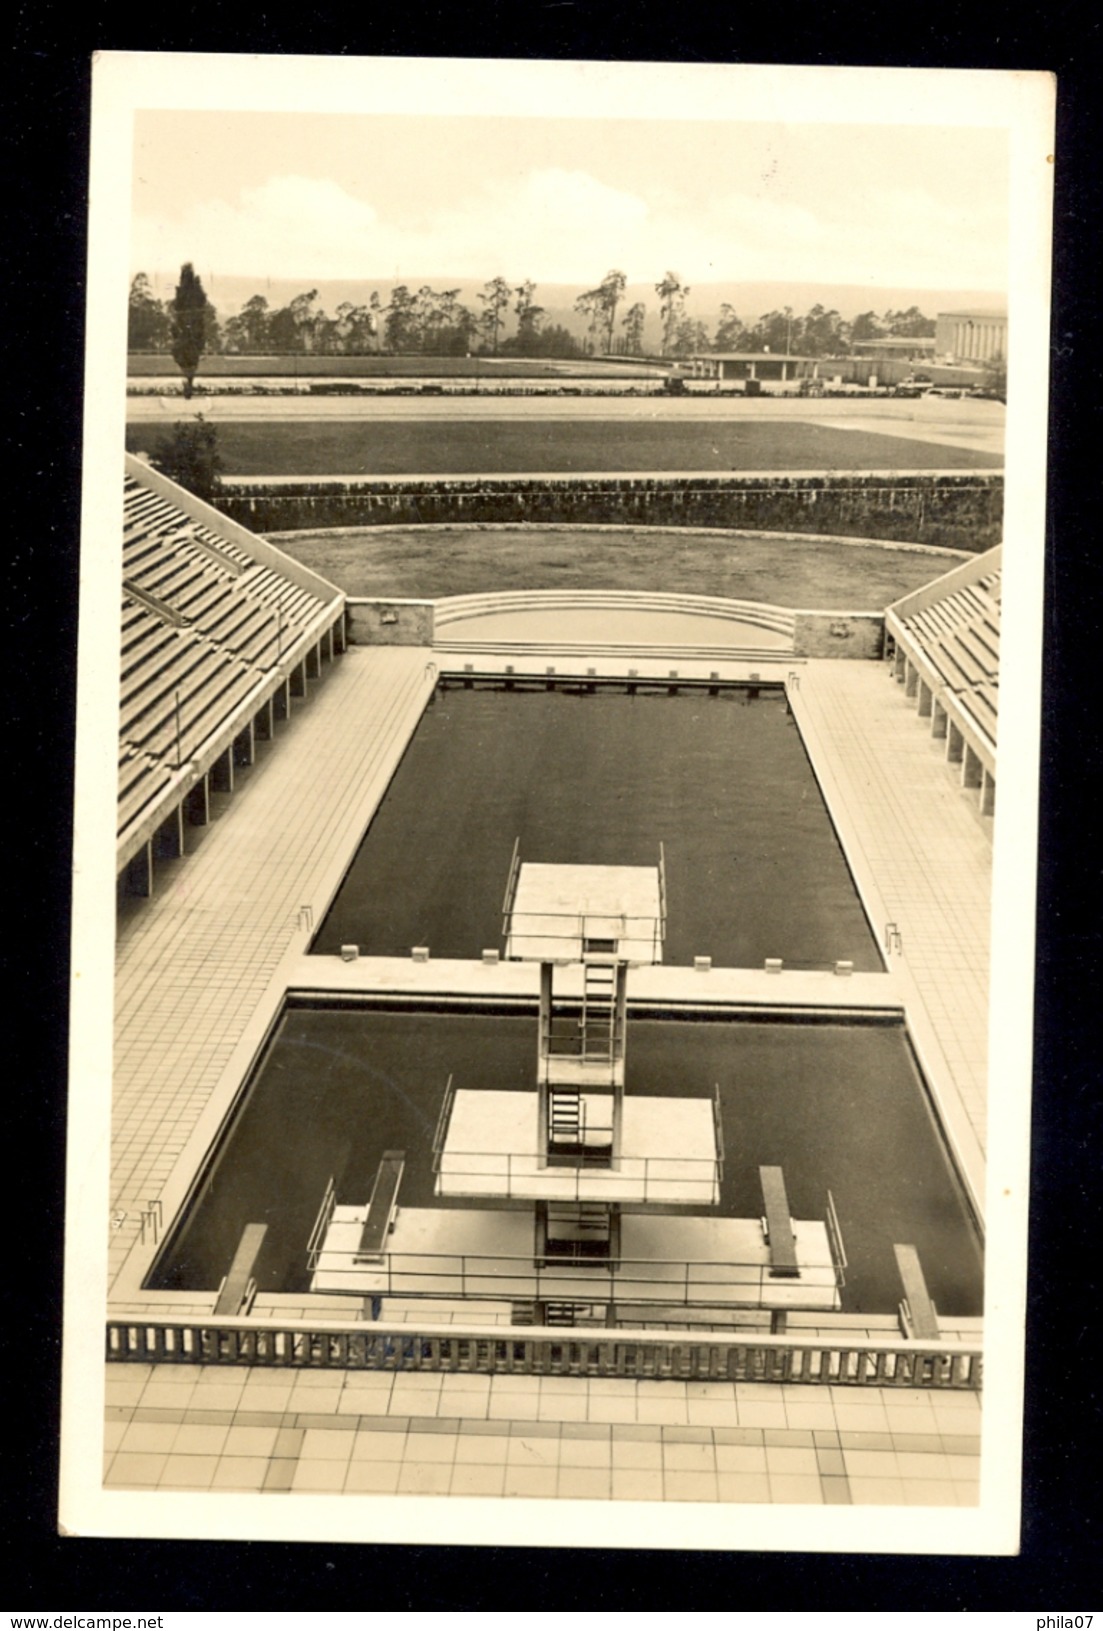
(46, 122)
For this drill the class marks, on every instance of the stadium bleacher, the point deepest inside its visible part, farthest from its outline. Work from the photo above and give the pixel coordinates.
(211, 633)
(945, 640)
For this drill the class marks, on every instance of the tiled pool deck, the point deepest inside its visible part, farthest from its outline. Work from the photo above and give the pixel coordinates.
(195, 961)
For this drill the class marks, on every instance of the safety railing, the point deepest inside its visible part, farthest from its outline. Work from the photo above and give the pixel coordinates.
(336, 1345)
(576, 1174)
(321, 1224)
(642, 933)
(681, 1283)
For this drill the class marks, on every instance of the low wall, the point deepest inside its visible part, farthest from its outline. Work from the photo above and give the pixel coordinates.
(838, 634)
(390, 622)
(959, 509)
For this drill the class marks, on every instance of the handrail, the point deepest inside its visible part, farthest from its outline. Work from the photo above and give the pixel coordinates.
(690, 1283)
(718, 1126)
(835, 1240)
(443, 1119)
(321, 1224)
(821, 1360)
(511, 880)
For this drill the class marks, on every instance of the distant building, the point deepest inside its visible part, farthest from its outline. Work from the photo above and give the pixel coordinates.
(772, 365)
(891, 348)
(971, 336)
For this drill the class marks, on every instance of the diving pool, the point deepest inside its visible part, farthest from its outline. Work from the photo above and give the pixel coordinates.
(754, 868)
(837, 1106)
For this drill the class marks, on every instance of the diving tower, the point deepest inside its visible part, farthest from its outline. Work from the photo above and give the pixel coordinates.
(582, 1183)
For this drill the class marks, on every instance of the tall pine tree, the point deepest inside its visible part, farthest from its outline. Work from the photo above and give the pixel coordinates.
(189, 309)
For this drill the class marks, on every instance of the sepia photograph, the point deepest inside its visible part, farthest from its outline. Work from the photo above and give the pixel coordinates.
(553, 952)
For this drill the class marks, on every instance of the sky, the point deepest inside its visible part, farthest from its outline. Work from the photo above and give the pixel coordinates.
(563, 200)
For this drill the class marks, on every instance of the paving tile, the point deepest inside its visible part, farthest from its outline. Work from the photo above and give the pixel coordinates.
(280, 1474)
(741, 1458)
(322, 1444)
(835, 1491)
(655, 1410)
(188, 1471)
(619, 1407)
(599, 1432)
(526, 1451)
(585, 1452)
(472, 1479)
(639, 1455)
(743, 1486)
(289, 1441)
(871, 1463)
(320, 1476)
(637, 1484)
(424, 1478)
(585, 1483)
(722, 1413)
(482, 1450)
(761, 1415)
(435, 1424)
(755, 1436)
(637, 1432)
(513, 1406)
(921, 1465)
(782, 1460)
(877, 1491)
(801, 1489)
(831, 1463)
(147, 1436)
(690, 1486)
(240, 1472)
(688, 1457)
(531, 1481)
(436, 1447)
(135, 1471)
(821, 1413)
(560, 1407)
(372, 1477)
(368, 1445)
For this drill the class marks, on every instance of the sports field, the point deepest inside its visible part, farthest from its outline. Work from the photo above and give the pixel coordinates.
(530, 445)
(429, 562)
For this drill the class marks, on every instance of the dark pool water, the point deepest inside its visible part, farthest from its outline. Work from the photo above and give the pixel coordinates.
(837, 1106)
(754, 869)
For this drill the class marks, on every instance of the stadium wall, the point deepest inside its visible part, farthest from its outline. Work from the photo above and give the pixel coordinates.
(959, 510)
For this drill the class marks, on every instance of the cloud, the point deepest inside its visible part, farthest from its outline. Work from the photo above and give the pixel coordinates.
(560, 225)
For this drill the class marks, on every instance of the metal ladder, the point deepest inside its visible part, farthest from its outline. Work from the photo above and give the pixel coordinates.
(566, 1117)
(599, 988)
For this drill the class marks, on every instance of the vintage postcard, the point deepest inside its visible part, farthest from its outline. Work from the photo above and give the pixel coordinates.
(557, 766)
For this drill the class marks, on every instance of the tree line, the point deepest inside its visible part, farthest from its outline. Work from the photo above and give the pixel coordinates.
(508, 321)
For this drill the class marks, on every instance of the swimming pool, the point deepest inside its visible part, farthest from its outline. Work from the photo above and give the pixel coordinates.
(753, 865)
(838, 1106)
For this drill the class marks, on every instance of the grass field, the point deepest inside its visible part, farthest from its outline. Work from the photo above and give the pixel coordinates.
(527, 445)
(145, 365)
(432, 562)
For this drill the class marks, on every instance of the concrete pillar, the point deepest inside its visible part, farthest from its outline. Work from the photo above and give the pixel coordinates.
(955, 743)
(899, 664)
(329, 643)
(222, 772)
(138, 875)
(911, 679)
(340, 630)
(245, 746)
(281, 701)
(971, 768)
(925, 700)
(168, 840)
(197, 805)
(987, 793)
(939, 719)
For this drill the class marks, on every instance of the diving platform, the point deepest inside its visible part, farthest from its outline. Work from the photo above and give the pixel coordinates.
(501, 1144)
(664, 1261)
(563, 914)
